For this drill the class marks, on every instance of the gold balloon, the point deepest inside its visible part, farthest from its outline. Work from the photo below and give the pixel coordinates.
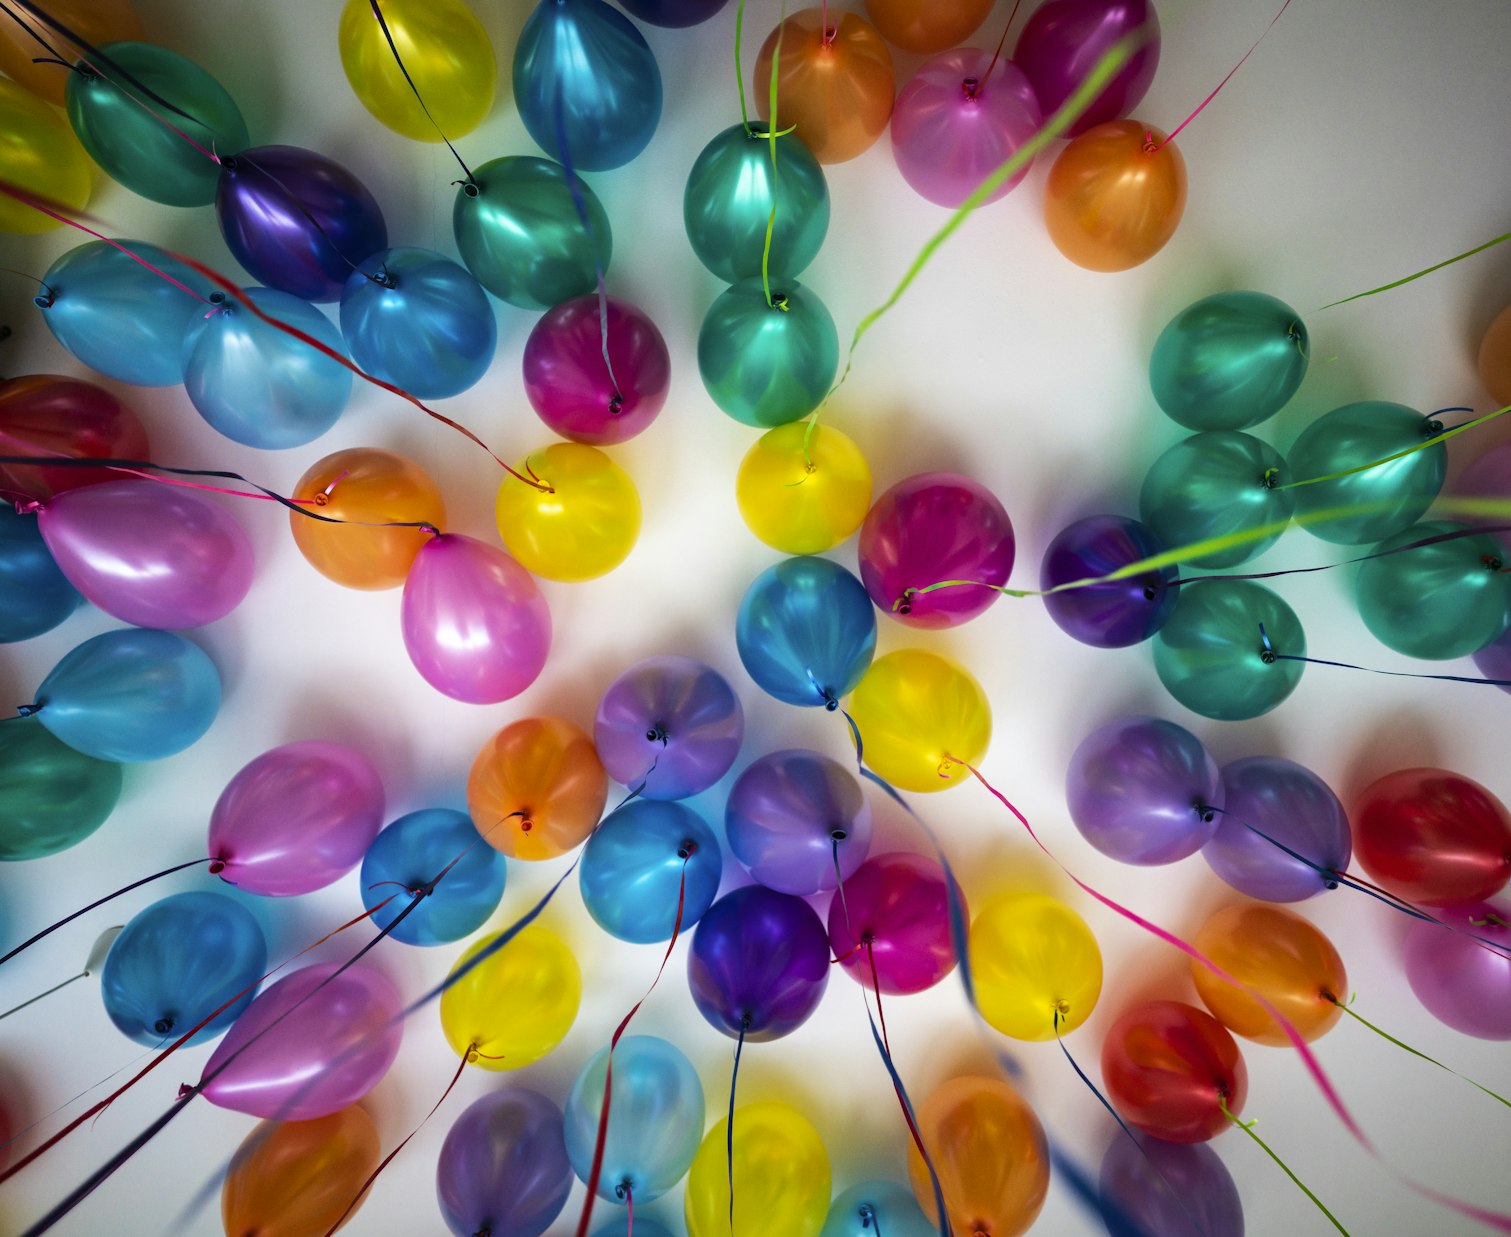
(295, 1178)
(40, 154)
(927, 26)
(1031, 957)
(1495, 358)
(922, 719)
(513, 1008)
(582, 525)
(97, 22)
(803, 504)
(781, 1175)
(537, 788)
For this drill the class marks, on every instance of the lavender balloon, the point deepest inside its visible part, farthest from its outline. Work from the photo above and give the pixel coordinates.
(1458, 981)
(1169, 1189)
(503, 1168)
(1063, 41)
(1120, 612)
(1488, 476)
(1494, 660)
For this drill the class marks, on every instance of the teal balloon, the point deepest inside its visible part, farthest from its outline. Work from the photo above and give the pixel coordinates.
(51, 796)
(727, 204)
(621, 1227)
(138, 148)
(1229, 361)
(765, 365)
(1213, 485)
(876, 1209)
(410, 853)
(1438, 601)
(34, 595)
(639, 860)
(519, 232)
(1211, 656)
(1390, 497)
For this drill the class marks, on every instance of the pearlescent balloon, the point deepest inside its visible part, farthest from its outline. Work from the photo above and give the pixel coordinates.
(875, 1208)
(35, 596)
(1116, 613)
(1148, 1186)
(767, 364)
(51, 796)
(641, 861)
(897, 906)
(409, 854)
(1062, 42)
(1459, 981)
(802, 492)
(503, 1168)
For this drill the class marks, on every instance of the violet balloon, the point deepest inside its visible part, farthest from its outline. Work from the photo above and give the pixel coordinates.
(1063, 41)
(898, 906)
(1488, 476)
(1149, 1186)
(1494, 661)
(1457, 979)
(1117, 613)
(503, 1169)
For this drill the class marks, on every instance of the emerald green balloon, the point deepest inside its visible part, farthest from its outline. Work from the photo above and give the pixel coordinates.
(1390, 496)
(519, 232)
(1229, 361)
(51, 797)
(1438, 601)
(1215, 484)
(137, 148)
(1211, 656)
(766, 365)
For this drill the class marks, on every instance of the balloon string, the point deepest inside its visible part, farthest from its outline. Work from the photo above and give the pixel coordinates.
(1348, 1009)
(1268, 655)
(419, 98)
(1432, 439)
(973, 89)
(90, 70)
(94, 1086)
(729, 1124)
(1469, 253)
(1248, 1128)
(779, 302)
(54, 56)
(740, 72)
(629, 1206)
(55, 988)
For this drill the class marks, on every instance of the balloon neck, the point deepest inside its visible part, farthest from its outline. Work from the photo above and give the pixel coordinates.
(867, 1214)
(616, 404)
(485, 1231)
(830, 32)
(969, 88)
(45, 299)
(656, 734)
(27, 506)
(1431, 426)
(904, 604)
(625, 1189)
(1062, 1010)
(838, 834)
(1206, 811)
(185, 1092)
(29, 710)
(688, 849)
(163, 1025)
(1151, 591)
(1493, 563)
(229, 163)
(1270, 478)
(384, 278)
(1332, 879)
(526, 824)
(217, 866)
(469, 187)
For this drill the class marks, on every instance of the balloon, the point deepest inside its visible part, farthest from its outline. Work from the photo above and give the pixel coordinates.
(575, 392)
(673, 12)
(543, 773)
(923, 719)
(324, 1037)
(410, 854)
(758, 965)
(40, 156)
(1111, 201)
(767, 363)
(926, 27)
(802, 492)
(1494, 660)
(671, 723)
(874, 1207)
(1178, 1190)
(621, 1227)
(897, 906)
(930, 527)
(581, 526)
(43, 414)
(1458, 980)
(795, 818)
(728, 201)
(1166, 1066)
(1036, 967)
(503, 1168)
(51, 796)
(512, 1008)
(1488, 476)
(150, 554)
(34, 595)
(646, 864)
(298, 1178)
(475, 624)
(1120, 612)
(96, 21)
(1212, 658)
(1432, 836)
(185, 958)
(780, 1172)
(1494, 359)
(1064, 39)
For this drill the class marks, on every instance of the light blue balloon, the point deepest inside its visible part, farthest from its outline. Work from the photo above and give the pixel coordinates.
(179, 961)
(633, 865)
(876, 1209)
(34, 595)
(643, 1228)
(259, 385)
(410, 853)
(415, 318)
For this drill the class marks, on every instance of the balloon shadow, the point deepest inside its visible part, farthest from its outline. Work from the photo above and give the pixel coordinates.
(1406, 740)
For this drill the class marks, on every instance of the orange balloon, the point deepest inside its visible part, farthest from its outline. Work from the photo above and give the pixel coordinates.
(989, 1151)
(95, 21)
(295, 1178)
(368, 486)
(927, 26)
(1112, 200)
(834, 83)
(1279, 955)
(537, 788)
(1495, 358)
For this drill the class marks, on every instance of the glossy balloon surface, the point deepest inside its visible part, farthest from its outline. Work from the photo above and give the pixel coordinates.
(1062, 42)
(764, 364)
(801, 492)
(1116, 613)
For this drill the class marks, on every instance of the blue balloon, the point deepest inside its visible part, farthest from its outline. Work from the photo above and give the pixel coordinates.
(259, 385)
(673, 12)
(179, 961)
(806, 631)
(875, 1208)
(643, 1228)
(417, 319)
(131, 695)
(633, 866)
(34, 595)
(414, 850)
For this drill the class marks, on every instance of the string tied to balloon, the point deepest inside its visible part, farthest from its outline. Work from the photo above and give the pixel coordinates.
(1269, 655)
(1248, 1128)
(469, 183)
(868, 1218)
(729, 1124)
(779, 300)
(971, 87)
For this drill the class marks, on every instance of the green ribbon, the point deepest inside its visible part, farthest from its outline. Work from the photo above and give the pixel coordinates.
(1414, 1052)
(1449, 262)
(1248, 1128)
(1434, 440)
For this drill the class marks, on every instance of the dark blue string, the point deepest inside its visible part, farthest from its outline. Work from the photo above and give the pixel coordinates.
(729, 1124)
(1268, 654)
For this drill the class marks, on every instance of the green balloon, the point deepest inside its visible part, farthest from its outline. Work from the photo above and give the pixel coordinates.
(519, 232)
(763, 365)
(1438, 601)
(1211, 656)
(1212, 485)
(136, 147)
(1229, 361)
(727, 204)
(1391, 496)
(51, 797)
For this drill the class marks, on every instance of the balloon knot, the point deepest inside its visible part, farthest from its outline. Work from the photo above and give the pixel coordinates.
(217, 866)
(969, 87)
(745, 1021)
(904, 604)
(830, 703)
(1267, 656)
(29, 710)
(44, 300)
(688, 849)
(829, 35)
(1431, 427)
(867, 1215)
(526, 825)
(469, 187)
(1062, 1008)
(27, 506)
(185, 1091)
(616, 404)
(838, 834)
(1332, 884)
(779, 301)
(1150, 145)
(1270, 479)
(656, 734)
(624, 1188)
(163, 1025)
(1492, 562)
(384, 278)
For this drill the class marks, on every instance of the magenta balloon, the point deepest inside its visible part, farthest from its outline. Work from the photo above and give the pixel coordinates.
(475, 623)
(1063, 41)
(953, 124)
(149, 554)
(296, 819)
(1489, 476)
(900, 902)
(310, 1045)
(1458, 980)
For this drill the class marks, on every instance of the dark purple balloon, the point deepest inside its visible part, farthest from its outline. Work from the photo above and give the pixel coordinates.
(673, 12)
(1494, 660)
(1457, 979)
(297, 221)
(503, 1168)
(1063, 41)
(1488, 476)
(1160, 1189)
(759, 959)
(1119, 613)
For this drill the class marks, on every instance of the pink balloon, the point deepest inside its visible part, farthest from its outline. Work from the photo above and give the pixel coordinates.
(954, 123)
(1489, 476)
(296, 819)
(1063, 41)
(303, 1050)
(149, 554)
(1458, 980)
(900, 903)
(475, 623)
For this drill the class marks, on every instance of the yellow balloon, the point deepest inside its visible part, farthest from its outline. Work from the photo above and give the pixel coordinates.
(922, 719)
(583, 524)
(515, 1007)
(445, 49)
(38, 153)
(798, 504)
(1032, 956)
(781, 1174)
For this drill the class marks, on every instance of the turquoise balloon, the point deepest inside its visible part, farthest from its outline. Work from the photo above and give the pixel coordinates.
(728, 199)
(51, 796)
(876, 1209)
(620, 1227)
(1390, 497)
(636, 862)
(765, 365)
(138, 148)
(412, 852)
(1229, 361)
(1214, 485)
(34, 595)
(1438, 601)
(518, 230)
(1211, 656)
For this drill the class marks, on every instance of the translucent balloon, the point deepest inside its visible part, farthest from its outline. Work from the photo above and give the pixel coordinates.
(1459, 981)
(1179, 1190)
(922, 719)
(295, 1178)
(513, 1007)
(1036, 966)
(51, 796)
(802, 492)
(1494, 660)
(537, 788)
(925, 26)
(503, 1168)
(646, 864)
(1494, 358)
(581, 526)
(35, 596)
(409, 855)
(1062, 42)
(42, 157)
(767, 363)
(1117, 613)
(97, 21)
(780, 1171)
(1167, 1065)
(43, 414)
(898, 907)
(874, 1207)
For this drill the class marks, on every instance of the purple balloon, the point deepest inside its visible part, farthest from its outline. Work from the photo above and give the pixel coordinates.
(1488, 476)
(297, 221)
(759, 961)
(296, 819)
(1494, 660)
(931, 527)
(1458, 980)
(670, 722)
(1121, 612)
(1063, 41)
(1138, 789)
(1167, 1189)
(897, 905)
(311, 1044)
(503, 1168)
(673, 12)
(151, 555)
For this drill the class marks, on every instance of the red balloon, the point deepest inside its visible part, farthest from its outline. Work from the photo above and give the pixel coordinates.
(1166, 1064)
(44, 414)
